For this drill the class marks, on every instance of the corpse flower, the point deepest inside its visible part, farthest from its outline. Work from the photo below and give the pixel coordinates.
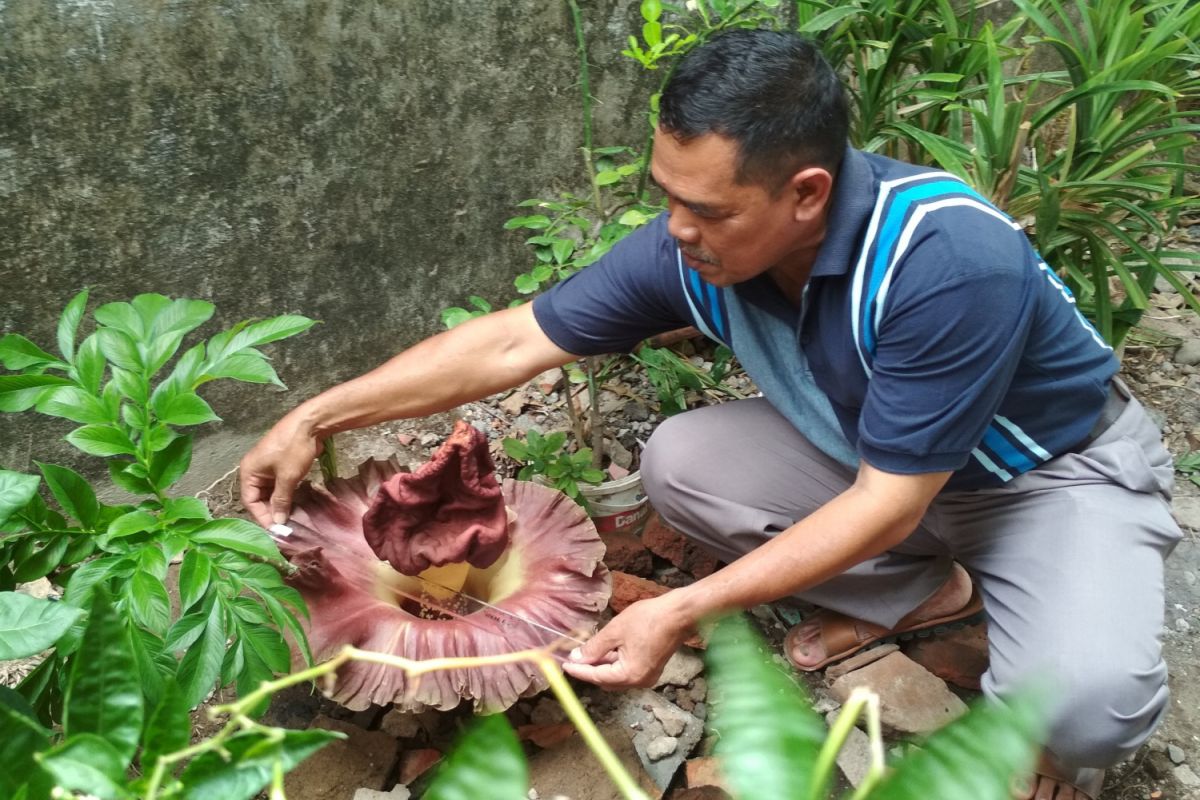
(542, 572)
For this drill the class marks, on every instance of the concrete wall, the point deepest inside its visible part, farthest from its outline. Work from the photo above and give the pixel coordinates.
(350, 160)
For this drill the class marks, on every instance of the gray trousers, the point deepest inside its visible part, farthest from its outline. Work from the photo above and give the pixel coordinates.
(1068, 557)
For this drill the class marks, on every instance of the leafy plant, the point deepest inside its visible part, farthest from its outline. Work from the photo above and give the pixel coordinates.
(1189, 466)
(546, 456)
(233, 603)
(672, 376)
(114, 742)
(456, 315)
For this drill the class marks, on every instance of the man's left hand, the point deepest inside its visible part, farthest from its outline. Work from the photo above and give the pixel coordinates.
(632, 650)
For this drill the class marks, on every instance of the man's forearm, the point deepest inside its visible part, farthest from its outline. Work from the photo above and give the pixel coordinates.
(474, 360)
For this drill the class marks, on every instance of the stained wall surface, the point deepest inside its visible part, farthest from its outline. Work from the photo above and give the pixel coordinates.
(350, 160)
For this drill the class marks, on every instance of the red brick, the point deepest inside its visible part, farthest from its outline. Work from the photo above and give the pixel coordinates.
(629, 589)
(959, 657)
(626, 553)
(704, 771)
(666, 542)
(415, 763)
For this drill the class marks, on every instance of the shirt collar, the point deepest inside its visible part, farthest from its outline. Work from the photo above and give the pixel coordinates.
(853, 201)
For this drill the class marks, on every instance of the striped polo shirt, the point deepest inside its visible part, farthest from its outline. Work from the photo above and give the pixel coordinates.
(931, 336)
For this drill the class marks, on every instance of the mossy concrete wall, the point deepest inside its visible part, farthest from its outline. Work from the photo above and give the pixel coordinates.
(350, 160)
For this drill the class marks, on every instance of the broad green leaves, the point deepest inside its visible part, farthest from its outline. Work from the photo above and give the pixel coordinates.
(16, 490)
(770, 736)
(486, 762)
(239, 535)
(104, 694)
(28, 625)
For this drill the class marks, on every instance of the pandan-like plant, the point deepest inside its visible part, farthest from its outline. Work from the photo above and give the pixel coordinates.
(381, 557)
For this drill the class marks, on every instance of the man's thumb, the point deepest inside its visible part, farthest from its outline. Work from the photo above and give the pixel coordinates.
(281, 506)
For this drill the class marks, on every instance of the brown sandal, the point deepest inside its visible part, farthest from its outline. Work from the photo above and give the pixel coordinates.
(844, 636)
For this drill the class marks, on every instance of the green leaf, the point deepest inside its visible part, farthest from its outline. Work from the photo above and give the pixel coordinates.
(73, 403)
(186, 630)
(633, 218)
(250, 762)
(562, 249)
(81, 586)
(131, 523)
(651, 10)
(976, 756)
(68, 324)
(17, 353)
(42, 562)
(607, 177)
(131, 384)
(239, 535)
(272, 330)
(535, 222)
(125, 475)
(168, 728)
(149, 603)
(201, 665)
(22, 392)
(120, 349)
(16, 490)
(516, 449)
(182, 316)
(101, 440)
(104, 694)
(770, 736)
(21, 736)
(184, 508)
(88, 764)
(72, 492)
(486, 762)
(28, 625)
(249, 367)
(187, 409)
(169, 464)
(121, 316)
(90, 364)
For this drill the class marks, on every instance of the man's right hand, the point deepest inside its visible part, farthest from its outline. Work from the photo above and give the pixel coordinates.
(270, 472)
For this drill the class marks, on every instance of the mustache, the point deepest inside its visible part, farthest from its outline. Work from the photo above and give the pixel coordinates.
(698, 255)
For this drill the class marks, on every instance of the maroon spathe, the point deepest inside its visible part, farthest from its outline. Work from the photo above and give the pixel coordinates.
(450, 510)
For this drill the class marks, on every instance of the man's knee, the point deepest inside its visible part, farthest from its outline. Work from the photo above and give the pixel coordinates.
(674, 445)
(1106, 714)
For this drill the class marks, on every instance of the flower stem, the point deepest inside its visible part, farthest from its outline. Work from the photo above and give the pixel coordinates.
(860, 699)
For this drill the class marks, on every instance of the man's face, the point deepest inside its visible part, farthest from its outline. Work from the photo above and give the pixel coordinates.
(728, 232)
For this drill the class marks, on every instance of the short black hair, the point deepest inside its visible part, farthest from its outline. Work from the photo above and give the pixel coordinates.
(772, 93)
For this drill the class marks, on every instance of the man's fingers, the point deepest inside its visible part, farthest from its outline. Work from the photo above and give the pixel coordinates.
(609, 675)
(596, 649)
(281, 502)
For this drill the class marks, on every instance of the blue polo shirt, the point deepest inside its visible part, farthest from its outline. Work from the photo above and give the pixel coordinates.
(931, 336)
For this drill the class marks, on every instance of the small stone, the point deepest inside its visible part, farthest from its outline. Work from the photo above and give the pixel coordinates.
(660, 747)
(859, 660)
(700, 711)
(672, 724)
(1184, 774)
(911, 699)
(398, 792)
(682, 668)
(699, 690)
(1182, 625)
(824, 704)
(405, 439)
(1176, 754)
(1188, 352)
(1189, 577)
(429, 439)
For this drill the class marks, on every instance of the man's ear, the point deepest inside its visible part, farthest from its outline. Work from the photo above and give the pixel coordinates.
(810, 189)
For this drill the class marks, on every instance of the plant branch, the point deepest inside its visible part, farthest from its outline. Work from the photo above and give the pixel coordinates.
(860, 699)
(239, 719)
(594, 414)
(572, 410)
